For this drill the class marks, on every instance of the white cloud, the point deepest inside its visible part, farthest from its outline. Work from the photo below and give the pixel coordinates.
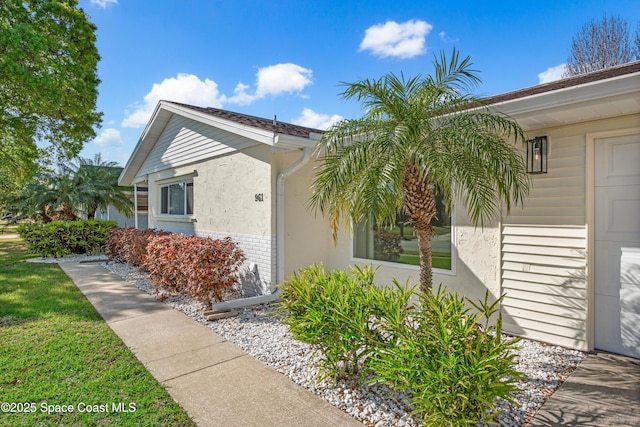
(310, 118)
(109, 137)
(273, 80)
(552, 74)
(282, 78)
(445, 38)
(103, 3)
(404, 40)
(186, 88)
(240, 95)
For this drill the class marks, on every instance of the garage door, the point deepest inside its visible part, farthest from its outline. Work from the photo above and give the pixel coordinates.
(617, 245)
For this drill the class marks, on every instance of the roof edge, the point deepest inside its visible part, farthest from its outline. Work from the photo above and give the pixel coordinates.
(569, 82)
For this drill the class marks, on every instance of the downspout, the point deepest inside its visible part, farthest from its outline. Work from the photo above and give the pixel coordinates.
(227, 306)
(135, 205)
(306, 156)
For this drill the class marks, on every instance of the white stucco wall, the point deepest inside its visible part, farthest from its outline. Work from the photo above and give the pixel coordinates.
(225, 203)
(307, 234)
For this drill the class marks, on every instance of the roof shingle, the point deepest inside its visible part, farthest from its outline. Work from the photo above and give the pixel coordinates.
(271, 125)
(607, 73)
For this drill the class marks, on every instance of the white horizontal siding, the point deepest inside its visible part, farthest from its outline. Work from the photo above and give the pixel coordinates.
(185, 141)
(544, 282)
(557, 197)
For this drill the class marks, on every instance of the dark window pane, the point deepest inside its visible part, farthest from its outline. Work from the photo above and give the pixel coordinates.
(164, 200)
(189, 198)
(176, 199)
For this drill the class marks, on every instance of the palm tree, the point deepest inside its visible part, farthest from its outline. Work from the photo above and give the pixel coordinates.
(48, 196)
(78, 189)
(418, 133)
(97, 186)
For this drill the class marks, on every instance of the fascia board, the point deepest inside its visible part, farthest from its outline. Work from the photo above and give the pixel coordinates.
(574, 95)
(258, 135)
(290, 141)
(156, 125)
(145, 143)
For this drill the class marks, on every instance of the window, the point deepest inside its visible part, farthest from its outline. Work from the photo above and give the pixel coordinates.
(177, 199)
(400, 244)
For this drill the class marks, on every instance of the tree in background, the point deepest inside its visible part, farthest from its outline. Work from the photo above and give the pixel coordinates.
(18, 163)
(97, 181)
(600, 45)
(417, 134)
(48, 82)
(77, 190)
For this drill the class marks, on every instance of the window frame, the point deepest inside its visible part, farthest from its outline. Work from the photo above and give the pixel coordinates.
(411, 267)
(165, 201)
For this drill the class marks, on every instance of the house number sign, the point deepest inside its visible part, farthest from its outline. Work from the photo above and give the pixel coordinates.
(259, 197)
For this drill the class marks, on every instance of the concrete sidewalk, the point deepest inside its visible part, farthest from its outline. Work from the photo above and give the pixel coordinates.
(603, 391)
(212, 379)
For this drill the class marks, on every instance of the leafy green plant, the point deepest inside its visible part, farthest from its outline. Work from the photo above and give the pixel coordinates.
(454, 360)
(59, 238)
(447, 352)
(334, 312)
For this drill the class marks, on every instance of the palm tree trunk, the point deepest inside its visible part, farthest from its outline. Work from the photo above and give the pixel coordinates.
(67, 212)
(426, 263)
(419, 202)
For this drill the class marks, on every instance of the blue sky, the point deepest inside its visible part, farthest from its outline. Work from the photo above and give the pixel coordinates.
(288, 58)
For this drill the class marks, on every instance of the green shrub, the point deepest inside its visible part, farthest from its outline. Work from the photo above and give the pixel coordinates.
(59, 238)
(454, 361)
(334, 311)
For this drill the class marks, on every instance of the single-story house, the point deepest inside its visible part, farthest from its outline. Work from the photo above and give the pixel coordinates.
(568, 260)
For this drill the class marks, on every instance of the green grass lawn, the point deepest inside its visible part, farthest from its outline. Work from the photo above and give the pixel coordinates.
(55, 349)
(438, 259)
(7, 227)
(409, 231)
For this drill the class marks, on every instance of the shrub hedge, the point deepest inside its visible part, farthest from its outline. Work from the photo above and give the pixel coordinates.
(199, 266)
(454, 361)
(333, 312)
(130, 244)
(59, 238)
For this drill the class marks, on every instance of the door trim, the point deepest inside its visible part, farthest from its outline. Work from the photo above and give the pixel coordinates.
(590, 177)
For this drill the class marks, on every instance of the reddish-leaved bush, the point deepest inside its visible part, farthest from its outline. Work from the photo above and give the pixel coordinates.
(114, 244)
(201, 267)
(130, 244)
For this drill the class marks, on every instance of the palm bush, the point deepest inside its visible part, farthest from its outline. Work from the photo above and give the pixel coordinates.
(419, 134)
(78, 189)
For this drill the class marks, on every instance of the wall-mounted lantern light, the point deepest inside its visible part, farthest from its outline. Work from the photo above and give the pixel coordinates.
(537, 155)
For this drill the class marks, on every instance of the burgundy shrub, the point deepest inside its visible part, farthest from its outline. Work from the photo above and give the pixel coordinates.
(201, 267)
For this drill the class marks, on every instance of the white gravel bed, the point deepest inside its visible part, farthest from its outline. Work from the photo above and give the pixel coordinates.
(70, 258)
(261, 335)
